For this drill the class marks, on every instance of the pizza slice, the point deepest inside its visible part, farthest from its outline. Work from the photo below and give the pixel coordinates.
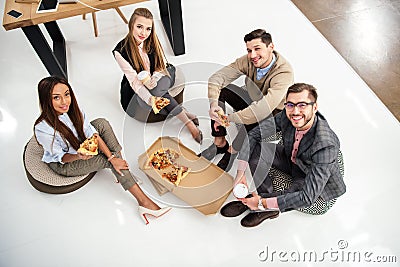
(89, 146)
(158, 103)
(176, 174)
(171, 176)
(182, 173)
(161, 159)
(223, 118)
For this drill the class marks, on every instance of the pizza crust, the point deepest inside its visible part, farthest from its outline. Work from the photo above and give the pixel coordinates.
(182, 173)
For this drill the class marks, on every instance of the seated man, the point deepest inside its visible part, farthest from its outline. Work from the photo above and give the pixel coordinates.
(268, 75)
(309, 154)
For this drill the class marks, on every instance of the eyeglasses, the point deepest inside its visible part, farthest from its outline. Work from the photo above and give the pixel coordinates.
(301, 105)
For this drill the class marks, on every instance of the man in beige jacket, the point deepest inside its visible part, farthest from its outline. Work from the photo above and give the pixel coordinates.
(268, 76)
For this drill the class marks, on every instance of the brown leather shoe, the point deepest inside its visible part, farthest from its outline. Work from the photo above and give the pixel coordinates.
(233, 209)
(255, 218)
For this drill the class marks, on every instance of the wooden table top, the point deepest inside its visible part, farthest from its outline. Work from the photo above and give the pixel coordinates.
(30, 17)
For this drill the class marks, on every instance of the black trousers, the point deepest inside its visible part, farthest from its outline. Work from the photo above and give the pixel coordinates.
(136, 108)
(238, 99)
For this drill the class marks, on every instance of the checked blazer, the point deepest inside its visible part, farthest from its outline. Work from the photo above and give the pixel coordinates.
(316, 157)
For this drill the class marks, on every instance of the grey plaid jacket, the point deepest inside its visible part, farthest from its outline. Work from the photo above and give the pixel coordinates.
(316, 157)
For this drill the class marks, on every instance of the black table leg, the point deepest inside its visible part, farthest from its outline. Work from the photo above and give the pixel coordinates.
(58, 43)
(171, 17)
(55, 62)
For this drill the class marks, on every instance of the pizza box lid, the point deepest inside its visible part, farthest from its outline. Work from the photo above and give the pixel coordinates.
(205, 188)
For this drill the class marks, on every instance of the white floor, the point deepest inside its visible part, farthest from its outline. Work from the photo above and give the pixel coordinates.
(98, 225)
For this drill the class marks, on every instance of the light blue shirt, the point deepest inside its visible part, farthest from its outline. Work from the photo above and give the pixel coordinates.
(53, 144)
(262, 72)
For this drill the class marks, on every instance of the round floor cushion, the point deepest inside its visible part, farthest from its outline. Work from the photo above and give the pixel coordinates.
(43, 178)
(281, 181)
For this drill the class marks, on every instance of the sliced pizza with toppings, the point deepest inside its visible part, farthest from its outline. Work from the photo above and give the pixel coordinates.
(223, 118)
(164, 161)
(176, 174)
(89, 146)
(183, 171)
(162, 158)
(158, 103)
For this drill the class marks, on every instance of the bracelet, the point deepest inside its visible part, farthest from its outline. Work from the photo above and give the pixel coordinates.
(111, 157)
(260, 204)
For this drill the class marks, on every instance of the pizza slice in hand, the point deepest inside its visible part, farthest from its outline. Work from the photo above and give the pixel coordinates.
(223, 118)
(89, 147)
(158, 103)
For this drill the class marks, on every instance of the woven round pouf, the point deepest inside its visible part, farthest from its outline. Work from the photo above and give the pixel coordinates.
(45, 179)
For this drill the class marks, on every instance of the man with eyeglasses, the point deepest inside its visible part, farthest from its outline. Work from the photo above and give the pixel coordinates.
(267, 76)
(309, 155)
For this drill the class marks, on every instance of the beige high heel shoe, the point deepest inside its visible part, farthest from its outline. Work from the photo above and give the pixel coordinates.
(155, 213)
(199, 137)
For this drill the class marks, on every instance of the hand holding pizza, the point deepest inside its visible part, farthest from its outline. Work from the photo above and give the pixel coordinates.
(223, 118)
(213, 111)
(89, 147)
(84, 156)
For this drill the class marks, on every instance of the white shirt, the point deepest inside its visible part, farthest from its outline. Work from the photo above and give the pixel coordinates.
(55, 150)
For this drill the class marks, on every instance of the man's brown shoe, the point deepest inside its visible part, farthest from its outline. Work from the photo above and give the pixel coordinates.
(255, 218)
(233, 209)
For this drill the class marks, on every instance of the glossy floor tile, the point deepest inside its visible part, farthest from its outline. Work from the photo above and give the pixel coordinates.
(366, 34)
(98, 225)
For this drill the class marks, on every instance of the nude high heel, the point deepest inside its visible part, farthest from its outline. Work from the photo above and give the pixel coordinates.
(199, 137)
(144, 212)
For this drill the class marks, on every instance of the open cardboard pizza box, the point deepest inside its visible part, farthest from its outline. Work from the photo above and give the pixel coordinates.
(205, 188)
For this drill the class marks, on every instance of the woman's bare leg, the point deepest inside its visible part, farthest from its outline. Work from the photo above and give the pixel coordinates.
(142, 199)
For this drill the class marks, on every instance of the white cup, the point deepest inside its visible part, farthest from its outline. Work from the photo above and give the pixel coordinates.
(144, 76)
(240, 190)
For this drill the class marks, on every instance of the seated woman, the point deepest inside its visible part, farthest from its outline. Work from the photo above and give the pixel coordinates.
(141, 50)
(62, 127)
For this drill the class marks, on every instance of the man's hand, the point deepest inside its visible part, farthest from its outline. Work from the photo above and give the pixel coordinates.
(240, 179)
(251, 202)
(213, 112)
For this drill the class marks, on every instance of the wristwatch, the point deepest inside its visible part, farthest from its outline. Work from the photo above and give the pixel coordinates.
(260, 204)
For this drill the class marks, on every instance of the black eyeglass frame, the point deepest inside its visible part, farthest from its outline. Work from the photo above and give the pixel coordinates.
(297, 105)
